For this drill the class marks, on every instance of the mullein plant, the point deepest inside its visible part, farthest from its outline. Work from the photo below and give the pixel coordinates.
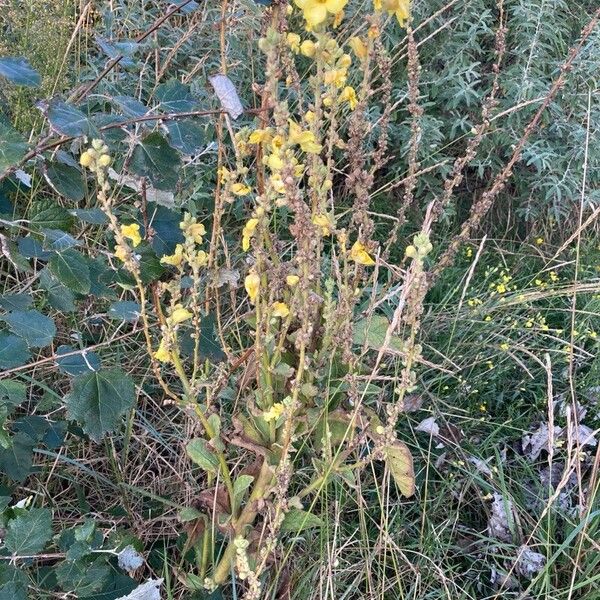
(303, 286)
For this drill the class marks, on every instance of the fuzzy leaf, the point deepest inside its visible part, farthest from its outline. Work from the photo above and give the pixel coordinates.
(72, 270)
(400, 462)
(199, 452)
(13, 351)
(30, 532)
(155, 159)
(36, 329)
(297, 520)
(18, 71)
(98, 400)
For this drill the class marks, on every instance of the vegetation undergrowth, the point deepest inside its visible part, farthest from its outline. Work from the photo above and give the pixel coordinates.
(300, 300)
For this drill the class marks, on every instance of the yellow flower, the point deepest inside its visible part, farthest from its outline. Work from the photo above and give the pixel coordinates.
(292, 280)
(401, 8)
(252, 285)
(335, 77)
(121, 253)
(260, 136)
(359, 254)
(280, 309)
(248, 232)
(324, 223)
(309, 116)
(240, 189)
(349, 95)
(180, 314)
(162, 354)
(86, 159)
(501, 288)
(358, 47)
(344, 61)
(274, 412)
(504, 346)
(315, 11)
(192, 229)
(174, 259)
(308, 48)
(132, 232)
(293, 41)
(199, 260)
(277, 183)
(275, 163)
(223, 175)
(305, 139)
(377, 4)
(104, 160)
(539, 241)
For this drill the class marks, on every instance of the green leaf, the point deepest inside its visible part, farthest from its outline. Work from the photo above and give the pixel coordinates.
(124, 310)
(240, 486)
(13, 591)
(58, 240)
(372, 330)
(59, 297)
(49, 215)
(16, 460)
(72, 270)
(297, 520)
(93, 216)
(12, 147)
(12, 392)
(16, 301)
(18, 71)
(186, 136)
(68, 120)
(155, 159)
(175, 97)
(66, 180)
(29, 533)
(13, 351)
(200, 453)
(399, 460)
(83, 578)
(98, 400)
(150, 267)
(36, 329)
(77, 364)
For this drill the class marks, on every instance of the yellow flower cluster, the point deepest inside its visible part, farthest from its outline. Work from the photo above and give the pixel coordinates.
(399, 8)
(132, 233)
(96, 157)
(316, 11)
(193, 233)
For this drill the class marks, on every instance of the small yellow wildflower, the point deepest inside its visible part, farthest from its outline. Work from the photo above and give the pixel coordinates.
(349, 95)
(400, 8)
(292, 280)
(504, 346)
(308, 48)
(132, 232)
(293, 41)
(248, 232)
(324, 223)
(252, 285)
(86, 159)
(280, 309)
(336, 77)
(104, 160)
(377, 4)
(274, 412)
(554, 276)
(200, 259)
(315, 11)
(305, 139)
(162, 354)
(240, 189)
(358, 47)
(501, 288)
(223, 175)
(539, 241)
(180, 314)
(260, 136)
(192, 229)
(274, 162)
(174, 259)
(345, 61)
(359, 254)
(121, 253)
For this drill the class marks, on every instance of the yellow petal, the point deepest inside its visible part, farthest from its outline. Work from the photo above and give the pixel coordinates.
(280, 309)
(359, 254)
(174, 259)
(240, 189)
(180, 315)
(162, 354)
(252, 285)
(292, 280)
(132, 232)
(315, 14)
(335, 6)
